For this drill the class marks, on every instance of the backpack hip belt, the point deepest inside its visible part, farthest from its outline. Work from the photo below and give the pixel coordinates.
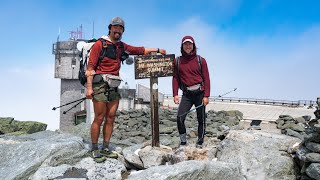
(112, 80)
(194, 87)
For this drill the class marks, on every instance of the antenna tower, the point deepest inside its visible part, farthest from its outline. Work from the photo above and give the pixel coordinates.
(76, 34)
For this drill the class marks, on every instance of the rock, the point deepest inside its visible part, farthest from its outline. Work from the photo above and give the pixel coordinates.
(191, 170)
(293, 133)
(315, 147)
(298, 127)
(154, 156)
(300, 120)
(313, 170)
(307, 117)
(6, 125)
(302, 152)
(313, 157)
(132, 156)
(9, 125)
(294, 148)
(86, 169)
(192, 153)
(24, 154)
(260, 155)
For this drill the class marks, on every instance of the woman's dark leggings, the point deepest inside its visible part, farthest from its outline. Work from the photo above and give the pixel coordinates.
(186, 103)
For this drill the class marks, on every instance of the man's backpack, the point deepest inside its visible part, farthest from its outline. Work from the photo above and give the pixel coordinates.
(85, 54)
(181, 85)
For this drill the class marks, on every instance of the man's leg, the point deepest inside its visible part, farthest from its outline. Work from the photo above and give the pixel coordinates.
(110, 116)
(185, 106)
(99, 112)
(108, 128)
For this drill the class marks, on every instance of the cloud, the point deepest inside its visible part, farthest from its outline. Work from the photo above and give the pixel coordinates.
(279, 66)
(29, 93)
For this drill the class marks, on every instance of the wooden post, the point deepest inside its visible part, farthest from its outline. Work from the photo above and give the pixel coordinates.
(154, 111)
(154, 103)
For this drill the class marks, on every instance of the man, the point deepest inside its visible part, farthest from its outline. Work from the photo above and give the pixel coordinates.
(104, 95)
(191, 75)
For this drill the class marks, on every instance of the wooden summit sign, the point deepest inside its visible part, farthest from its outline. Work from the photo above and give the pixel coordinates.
(153, 66)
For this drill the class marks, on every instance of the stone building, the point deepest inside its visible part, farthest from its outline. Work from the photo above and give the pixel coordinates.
(67, 62)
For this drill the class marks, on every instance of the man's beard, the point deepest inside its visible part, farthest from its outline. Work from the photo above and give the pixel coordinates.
(117, 37)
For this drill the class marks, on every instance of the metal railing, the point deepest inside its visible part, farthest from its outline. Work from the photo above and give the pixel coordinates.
(299, 103)
(265, 101)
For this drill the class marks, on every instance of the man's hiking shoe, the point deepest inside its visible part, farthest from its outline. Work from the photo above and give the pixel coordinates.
(97, 157)
(108, 153)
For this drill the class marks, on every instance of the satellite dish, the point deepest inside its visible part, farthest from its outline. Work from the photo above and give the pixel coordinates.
(80, 45)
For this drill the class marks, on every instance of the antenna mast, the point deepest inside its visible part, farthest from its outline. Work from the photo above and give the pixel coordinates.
(76, 34)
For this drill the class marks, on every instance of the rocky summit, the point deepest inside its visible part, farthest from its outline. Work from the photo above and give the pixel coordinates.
(230, 152)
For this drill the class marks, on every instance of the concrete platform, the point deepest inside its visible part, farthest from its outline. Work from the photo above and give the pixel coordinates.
(253, 111)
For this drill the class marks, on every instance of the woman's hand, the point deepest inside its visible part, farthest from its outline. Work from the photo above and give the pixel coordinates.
(176, 99)
(205, 101)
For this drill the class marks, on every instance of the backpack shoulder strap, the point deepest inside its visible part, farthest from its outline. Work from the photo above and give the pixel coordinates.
(200, 67)
(103, 50)
(200, 63)
(181, 85)
(121, 46)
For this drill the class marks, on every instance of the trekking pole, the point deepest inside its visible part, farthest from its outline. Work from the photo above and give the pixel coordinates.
(64, 112)
(224, 94)
(81, 99)
(202, 104)
(191, 110)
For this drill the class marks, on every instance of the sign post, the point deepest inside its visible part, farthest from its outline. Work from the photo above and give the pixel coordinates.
(154, 111)
(152, 67)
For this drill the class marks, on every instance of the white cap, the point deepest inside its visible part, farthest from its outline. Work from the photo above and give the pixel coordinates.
(187, 40)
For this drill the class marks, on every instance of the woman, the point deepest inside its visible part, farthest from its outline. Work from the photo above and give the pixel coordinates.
(191, 75)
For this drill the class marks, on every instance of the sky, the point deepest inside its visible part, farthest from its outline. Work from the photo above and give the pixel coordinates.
(267, 49)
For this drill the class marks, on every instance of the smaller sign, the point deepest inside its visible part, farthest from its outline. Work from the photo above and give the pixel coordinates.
(153, 66)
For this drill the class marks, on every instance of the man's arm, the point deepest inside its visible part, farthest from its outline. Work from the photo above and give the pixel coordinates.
(133, 50)
(89, 74)
(92, 65)
(157, 50)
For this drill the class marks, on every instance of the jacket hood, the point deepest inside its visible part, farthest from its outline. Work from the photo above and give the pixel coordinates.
(194, 52)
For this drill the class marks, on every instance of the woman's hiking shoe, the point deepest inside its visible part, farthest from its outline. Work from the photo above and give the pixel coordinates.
(108, 153)
(97, 157)
(183, 144)
(199, 144)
